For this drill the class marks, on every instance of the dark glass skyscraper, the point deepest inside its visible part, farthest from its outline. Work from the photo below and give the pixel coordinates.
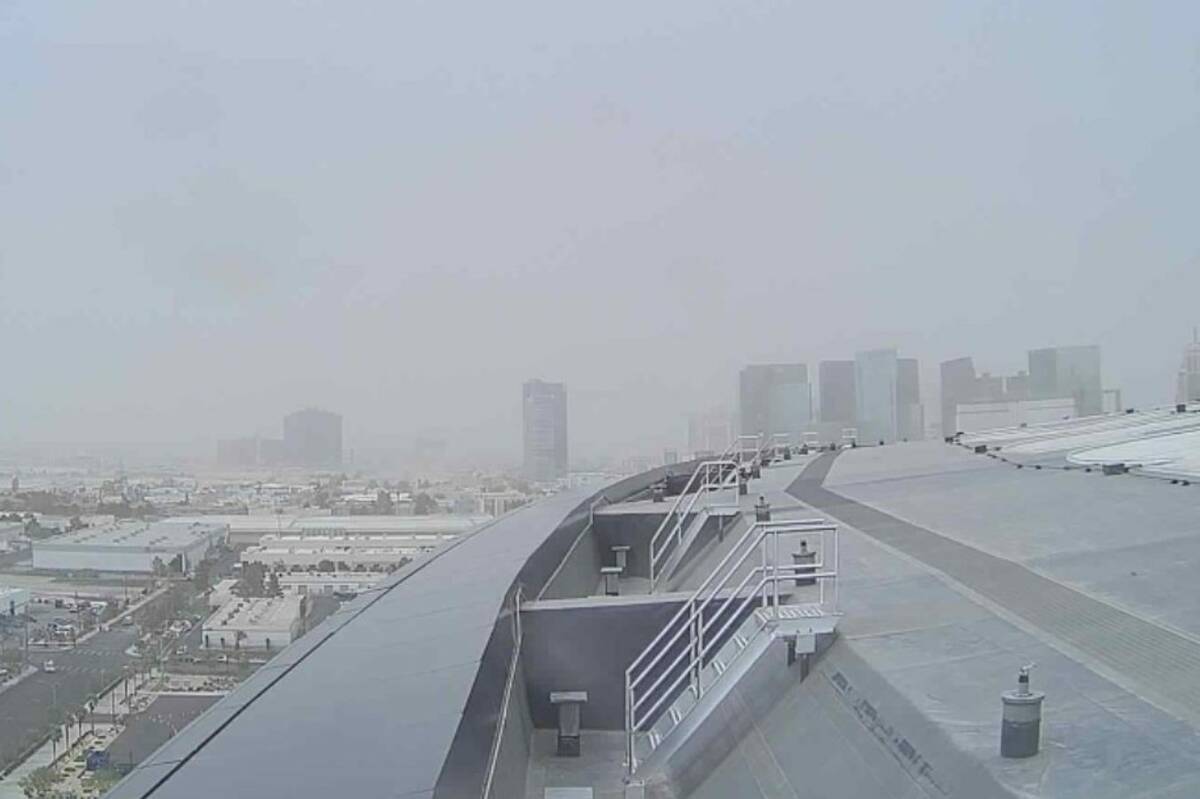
(313, 437)
(544, 407)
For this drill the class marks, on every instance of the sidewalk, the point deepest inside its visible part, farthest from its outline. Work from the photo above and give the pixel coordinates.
(11, 681)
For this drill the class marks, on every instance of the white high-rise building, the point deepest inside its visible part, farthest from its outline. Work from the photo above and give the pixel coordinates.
(1188, 386)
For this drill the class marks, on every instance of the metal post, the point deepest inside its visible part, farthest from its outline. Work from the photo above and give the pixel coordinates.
(629, 764)
(692, 673)
(775, 572)
(836, 568)
(762, 546)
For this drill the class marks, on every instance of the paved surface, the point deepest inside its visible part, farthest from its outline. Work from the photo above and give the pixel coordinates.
(81, 673)
(1160, 664)
(154, 726)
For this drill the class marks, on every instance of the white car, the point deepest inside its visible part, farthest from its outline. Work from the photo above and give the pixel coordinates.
(49, 667)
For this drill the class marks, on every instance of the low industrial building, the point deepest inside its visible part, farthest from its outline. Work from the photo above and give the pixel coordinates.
(10, 534)
(248, 530)
(255, 623)
(130, 546)
(286, 553)
(221, 593)
(13, 600)
(340, 582)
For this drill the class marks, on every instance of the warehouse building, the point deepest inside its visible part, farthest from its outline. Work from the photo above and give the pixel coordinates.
(13, 600)
(248, 530)
(286, 553)
(130, 546)
(338, 582)
(255, 623)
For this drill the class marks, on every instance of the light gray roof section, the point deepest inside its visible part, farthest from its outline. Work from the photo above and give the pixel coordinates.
(1120, 709)
(368, 708)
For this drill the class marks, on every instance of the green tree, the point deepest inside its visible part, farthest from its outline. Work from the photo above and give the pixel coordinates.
(423, 504)
(39, 782)
(202, 576)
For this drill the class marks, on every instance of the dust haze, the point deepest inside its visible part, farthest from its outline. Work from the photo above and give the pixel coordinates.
(214, 214)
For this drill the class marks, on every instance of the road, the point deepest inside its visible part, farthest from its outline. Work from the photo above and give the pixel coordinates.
(25, 708)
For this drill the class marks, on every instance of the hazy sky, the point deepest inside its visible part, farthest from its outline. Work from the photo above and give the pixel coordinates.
(212, 213)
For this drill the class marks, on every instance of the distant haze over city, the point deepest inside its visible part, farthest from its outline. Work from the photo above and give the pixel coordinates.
(212, 216)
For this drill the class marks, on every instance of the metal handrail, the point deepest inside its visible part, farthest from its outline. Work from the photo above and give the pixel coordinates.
(804, 525)
(722, 584)
(498, 735)
(737, 448)
(726, 477)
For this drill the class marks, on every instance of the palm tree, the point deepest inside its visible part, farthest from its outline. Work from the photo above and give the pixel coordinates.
(54, 739)
(91, 706)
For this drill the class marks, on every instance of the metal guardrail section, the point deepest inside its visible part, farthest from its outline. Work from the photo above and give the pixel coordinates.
(709, 476)
(745, 449)
(498, 736)
(748, 577)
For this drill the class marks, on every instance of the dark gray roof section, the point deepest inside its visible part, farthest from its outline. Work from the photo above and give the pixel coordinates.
(394, 695)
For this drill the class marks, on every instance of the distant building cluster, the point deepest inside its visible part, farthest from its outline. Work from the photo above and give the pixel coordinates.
(311, 438)
(1061, 382)
(877, 395)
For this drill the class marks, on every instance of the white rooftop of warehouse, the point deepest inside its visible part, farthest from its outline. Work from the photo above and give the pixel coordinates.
(302, 524)
(171, 534)
(266, 613)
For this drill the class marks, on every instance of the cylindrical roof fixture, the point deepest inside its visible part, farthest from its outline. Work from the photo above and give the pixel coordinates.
(1021, 724)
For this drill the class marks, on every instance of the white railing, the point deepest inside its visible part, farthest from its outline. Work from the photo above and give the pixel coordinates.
(709, 476)
(744, 449)
(748, 577)
(781, 443)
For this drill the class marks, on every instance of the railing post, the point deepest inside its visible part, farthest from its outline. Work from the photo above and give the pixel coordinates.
(775, 571)
(762, 548)
(692, 674)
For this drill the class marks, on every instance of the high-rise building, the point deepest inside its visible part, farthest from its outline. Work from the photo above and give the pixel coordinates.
(1188, 385)
(544, 408)
(876, 374)
(910, 414)
(836, 385)
(1058, 372)
(775, 398)
(958, 387)
(313, 437)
